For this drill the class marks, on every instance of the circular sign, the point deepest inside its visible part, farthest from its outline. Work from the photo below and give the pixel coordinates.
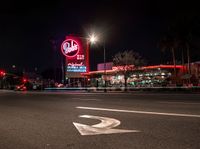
(70, 48)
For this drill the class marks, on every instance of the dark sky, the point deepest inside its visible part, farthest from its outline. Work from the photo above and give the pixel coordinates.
(31, 31)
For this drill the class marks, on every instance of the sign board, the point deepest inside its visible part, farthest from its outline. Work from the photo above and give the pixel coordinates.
(75, 49)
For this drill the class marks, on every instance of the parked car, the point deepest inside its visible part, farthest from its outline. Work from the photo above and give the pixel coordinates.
(59, 85)
(20, 88)
(37, 86)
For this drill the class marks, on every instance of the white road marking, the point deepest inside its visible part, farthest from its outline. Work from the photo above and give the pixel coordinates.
(76, 98)
(90, 99)
(178, 102)
(140, 112)
(105, 127)
(6, 91)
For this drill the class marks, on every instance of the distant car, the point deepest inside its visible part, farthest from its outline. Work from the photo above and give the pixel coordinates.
(37, 87)
(60, 85)
(20, 88)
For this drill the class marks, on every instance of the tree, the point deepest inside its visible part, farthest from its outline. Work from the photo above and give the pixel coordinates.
(170, 43)
(183, 36)
(127, 61)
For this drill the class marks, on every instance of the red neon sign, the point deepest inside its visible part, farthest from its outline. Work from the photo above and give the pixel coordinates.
(76, 51)
(70, 48)
(164, 66)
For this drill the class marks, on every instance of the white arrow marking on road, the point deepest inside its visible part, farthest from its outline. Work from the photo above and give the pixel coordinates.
(105, 127)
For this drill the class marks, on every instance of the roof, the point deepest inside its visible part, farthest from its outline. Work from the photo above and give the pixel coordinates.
(142, 68)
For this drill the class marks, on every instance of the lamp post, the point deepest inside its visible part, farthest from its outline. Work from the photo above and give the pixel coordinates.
(93, 39)
(104, 60)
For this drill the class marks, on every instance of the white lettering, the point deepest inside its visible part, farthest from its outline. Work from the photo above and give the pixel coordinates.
(68, 48)
(76, 64)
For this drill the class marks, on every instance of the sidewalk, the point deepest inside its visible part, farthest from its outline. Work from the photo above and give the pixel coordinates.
(129, 90)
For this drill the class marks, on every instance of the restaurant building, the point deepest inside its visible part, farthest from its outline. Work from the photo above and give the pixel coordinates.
(147, 76)
(77, 73)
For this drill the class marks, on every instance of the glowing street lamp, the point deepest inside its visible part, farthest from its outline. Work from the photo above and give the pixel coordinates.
(93, 39)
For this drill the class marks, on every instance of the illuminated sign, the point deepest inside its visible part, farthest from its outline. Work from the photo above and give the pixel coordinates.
(76, 51)
(70, 48)
(76, 68)
(75, 64)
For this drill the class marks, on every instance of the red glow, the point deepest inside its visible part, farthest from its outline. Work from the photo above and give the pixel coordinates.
(2, 73)
(24, 80)
(80, 57)
(68, 42)
(21, 88)
(163, 66)
(114, 69)
(128, 67)
(87, 56)
(100, 71)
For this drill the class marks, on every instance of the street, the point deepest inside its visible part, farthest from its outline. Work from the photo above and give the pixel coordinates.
(75, 120)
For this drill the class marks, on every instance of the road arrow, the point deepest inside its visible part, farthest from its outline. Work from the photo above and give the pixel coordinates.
(104, 127)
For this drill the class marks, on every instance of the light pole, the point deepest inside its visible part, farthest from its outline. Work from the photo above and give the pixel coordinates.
(93, 39)
(104, 60)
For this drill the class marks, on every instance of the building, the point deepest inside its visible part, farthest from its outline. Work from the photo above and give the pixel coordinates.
(157, 75)
(77, 73)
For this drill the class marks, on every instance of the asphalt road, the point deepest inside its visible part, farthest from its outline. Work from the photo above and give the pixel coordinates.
(99, 121)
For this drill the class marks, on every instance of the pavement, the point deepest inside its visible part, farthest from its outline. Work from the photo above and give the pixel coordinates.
(73, 120)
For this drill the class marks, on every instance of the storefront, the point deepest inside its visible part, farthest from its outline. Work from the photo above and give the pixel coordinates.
(148, 76)
(77, 73)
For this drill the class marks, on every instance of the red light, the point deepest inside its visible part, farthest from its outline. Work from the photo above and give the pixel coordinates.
(24, 80)
(163, 66)
(2, 73)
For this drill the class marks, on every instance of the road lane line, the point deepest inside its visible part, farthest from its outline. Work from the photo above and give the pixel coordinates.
(140, 112)
(178, 102)
(76, 98)
(90, 99)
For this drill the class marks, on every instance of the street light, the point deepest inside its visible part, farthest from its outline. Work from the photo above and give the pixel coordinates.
(93, 39)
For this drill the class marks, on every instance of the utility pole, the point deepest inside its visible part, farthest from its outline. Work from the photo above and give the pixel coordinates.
(105, 76)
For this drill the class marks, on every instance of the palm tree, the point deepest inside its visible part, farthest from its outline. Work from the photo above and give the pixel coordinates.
(182, 36)
(126, 61)
(170, 43)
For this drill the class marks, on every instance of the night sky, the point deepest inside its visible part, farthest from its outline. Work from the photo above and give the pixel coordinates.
(31, 32)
